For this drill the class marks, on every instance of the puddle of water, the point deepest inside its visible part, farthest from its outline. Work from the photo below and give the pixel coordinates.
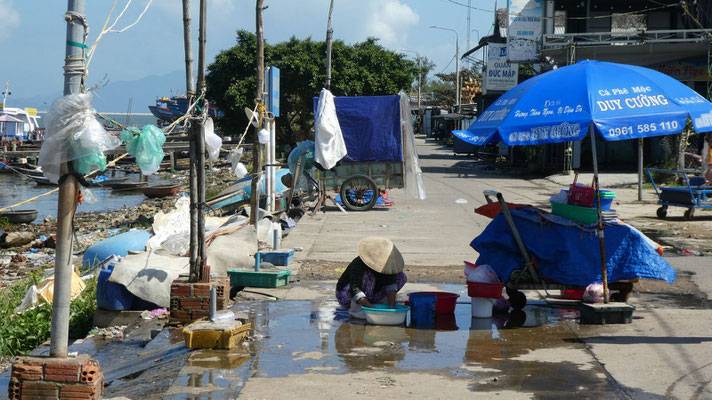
(298, 337)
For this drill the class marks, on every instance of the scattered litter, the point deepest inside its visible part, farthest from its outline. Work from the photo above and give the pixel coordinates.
(692, 253)
(460, 201)
(114, 333)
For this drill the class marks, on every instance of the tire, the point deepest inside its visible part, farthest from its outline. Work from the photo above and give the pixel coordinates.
(517, 299)
(662, 212)
(689, 214)
(359, 193)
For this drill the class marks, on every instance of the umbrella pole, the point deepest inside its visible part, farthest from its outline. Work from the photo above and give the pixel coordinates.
(604, 272)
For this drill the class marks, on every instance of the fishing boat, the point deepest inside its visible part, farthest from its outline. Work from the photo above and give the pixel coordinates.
(127, 186)
(18, 124)
(161, 191)
(19, 216)
(42, 180)
(168, 109)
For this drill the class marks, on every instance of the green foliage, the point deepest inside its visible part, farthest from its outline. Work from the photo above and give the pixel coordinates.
(20, 333)
(362, 69)
(5, 223)
(444, 87)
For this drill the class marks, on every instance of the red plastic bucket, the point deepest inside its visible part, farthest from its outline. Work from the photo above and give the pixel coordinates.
(573, 294)
(445, 302)
(479, 289)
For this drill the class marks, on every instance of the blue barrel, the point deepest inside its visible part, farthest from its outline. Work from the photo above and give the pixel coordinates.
(110, 295)
(119, 245)
(422, 310)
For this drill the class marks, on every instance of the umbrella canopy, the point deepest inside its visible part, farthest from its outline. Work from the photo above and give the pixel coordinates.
(9, 118)
(621, 101)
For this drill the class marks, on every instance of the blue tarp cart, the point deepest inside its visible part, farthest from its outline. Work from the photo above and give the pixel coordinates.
(371, 126)
(691, 196)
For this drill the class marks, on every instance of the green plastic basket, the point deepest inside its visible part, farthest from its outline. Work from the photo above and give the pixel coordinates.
(584, 215)
(261, 279)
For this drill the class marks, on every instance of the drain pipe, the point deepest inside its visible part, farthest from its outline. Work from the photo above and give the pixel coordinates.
(213, 303)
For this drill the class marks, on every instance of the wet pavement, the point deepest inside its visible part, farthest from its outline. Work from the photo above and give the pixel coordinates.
(291, 338)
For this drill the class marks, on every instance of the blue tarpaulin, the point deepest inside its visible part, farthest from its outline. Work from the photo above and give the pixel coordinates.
(569, 254)
(371, 127)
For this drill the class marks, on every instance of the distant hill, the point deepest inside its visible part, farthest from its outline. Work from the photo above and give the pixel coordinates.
(114, 97)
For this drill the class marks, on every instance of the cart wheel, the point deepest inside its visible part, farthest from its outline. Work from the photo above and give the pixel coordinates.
(689, 214)
(662, 212)
(517, 299)
(359, 193)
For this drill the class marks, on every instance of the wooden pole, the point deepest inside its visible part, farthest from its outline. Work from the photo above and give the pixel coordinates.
(200, 143)
(329, 38)
(193, 169)
(604, 269)
(68, 190)
(259, 96)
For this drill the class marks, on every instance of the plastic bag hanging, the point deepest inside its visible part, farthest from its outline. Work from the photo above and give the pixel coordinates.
(329, 140)
(74, 134)
(146, 147)
(213, 142)
(237, 167)
(414, 186)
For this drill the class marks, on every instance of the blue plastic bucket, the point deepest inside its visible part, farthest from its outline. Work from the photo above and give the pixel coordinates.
(422, 310)
(110, 295)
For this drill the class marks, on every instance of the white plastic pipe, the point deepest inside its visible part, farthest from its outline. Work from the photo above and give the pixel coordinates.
(273, 160)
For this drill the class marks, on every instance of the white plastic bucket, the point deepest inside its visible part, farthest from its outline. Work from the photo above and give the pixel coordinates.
(482, 307)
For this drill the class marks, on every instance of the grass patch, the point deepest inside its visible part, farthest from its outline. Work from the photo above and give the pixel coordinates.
(214, 191)
(5, 223)
(21, 333)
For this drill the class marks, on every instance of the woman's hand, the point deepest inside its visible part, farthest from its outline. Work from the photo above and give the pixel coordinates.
(363, 302)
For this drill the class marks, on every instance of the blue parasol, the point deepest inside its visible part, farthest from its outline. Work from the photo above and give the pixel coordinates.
(621, 101)
(618, 101)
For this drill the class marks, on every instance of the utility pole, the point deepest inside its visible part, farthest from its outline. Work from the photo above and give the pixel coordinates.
(68, 191)
(259, 96)
(200, 145)
(329, 37)
(190, 94)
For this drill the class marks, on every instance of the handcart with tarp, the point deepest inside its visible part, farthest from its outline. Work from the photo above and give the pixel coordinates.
(380, 151)
(531, 249)
(692, 195)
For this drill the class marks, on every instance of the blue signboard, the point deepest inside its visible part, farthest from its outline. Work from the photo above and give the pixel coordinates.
(273, 90)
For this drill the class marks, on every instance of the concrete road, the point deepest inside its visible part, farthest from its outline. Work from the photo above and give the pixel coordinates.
(435, 231)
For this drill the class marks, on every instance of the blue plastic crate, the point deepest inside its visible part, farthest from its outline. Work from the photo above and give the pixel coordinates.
(280, 258)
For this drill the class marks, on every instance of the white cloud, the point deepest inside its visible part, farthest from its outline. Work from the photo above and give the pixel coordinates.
(390, 21)
(9, 19)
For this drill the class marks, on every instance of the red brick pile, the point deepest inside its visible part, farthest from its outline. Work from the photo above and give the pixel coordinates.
(191, 301)
(55, 378)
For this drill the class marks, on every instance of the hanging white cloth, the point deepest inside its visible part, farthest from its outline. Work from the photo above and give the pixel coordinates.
(413, 175)
(330, 146)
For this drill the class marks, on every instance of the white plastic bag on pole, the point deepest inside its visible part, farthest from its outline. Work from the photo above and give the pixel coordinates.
(213, 142)
(413, 175)
(74, 134)
(330, 146)
(237, 167)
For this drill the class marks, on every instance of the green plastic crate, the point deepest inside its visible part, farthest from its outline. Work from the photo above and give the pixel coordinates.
(261, 279)
(584, 215)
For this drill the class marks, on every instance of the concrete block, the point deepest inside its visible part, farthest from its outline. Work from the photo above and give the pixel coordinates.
(215, 335)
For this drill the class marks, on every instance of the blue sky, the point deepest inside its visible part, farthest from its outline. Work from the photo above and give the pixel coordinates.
(33, 33)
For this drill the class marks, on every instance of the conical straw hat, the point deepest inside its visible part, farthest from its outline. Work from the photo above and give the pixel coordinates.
(381, 255)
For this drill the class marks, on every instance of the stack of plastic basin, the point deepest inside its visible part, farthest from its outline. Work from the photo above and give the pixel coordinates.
(483, 296)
